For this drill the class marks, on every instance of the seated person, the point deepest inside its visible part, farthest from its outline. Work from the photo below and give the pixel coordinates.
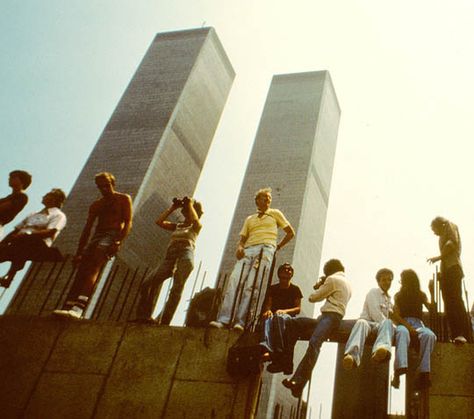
(283, 301)
(112, 216)
(408, 310)
(178, 262)
(32, 238)
(11, 205)
(336, 291)
(375, 318)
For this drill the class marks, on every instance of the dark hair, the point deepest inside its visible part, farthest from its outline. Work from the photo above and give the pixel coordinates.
(438, 222)
(332, 266)
(59, 195)
(283, 266)
(382, 272)
(106, 175)
(25, 177)
(410, 282)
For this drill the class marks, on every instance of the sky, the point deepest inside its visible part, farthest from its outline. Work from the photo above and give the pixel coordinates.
(402, 73)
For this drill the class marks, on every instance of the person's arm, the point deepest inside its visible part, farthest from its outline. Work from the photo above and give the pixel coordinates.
(127, 219)
(292, 311)
(240, 252)
(162, 221)
(398, 319)
(267, 305)
(290, 233)
(324, 291)
(193, 215)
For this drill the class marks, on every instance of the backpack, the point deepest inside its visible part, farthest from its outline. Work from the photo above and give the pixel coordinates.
(244, 356)
(202, 307)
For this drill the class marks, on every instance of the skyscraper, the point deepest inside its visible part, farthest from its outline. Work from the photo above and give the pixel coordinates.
(293, 154)
(155, 143)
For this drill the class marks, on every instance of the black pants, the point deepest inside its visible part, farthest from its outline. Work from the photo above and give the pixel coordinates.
(22, 248)
(451, 290)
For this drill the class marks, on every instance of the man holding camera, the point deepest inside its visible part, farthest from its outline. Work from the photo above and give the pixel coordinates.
(113, 213)
(178, 262)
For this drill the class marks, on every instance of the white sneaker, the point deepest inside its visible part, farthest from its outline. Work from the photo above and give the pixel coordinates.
(238, 327)
(75, 313)
(216, 324)
(460, 340)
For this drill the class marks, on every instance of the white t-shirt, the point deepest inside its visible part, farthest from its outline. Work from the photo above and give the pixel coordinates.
(54, 218)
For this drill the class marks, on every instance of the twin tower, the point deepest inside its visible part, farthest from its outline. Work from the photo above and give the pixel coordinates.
(156, 143)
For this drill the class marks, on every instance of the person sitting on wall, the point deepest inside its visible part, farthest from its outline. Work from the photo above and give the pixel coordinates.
(282, 302)
(113, 213)
(258, 235)
(12, 204)
(32, 238)
(408, 311)
(336, 291)
(375, 318)
(178, 262)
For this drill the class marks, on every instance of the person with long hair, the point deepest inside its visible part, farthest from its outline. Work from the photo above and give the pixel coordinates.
(408, 312)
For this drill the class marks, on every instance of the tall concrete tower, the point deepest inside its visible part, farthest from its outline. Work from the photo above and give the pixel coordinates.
(155, 143)
(293, 153)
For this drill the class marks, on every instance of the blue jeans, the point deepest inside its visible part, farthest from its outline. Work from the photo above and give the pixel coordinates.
(178, 263)
(245, 270)
(362, 329)
(326, 323)
(402, 338)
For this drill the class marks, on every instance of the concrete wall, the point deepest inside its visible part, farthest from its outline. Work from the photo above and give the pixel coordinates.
(65, 369)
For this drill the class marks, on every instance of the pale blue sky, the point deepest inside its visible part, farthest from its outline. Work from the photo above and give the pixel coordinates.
(402, 73)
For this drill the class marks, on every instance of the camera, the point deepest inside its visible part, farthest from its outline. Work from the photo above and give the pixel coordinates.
(181, 202)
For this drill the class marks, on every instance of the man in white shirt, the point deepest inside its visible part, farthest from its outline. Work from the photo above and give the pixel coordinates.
(375, 318)
(32, 238)
(257, 237)
(336, 290)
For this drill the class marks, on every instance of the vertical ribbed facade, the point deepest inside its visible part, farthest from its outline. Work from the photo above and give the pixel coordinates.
(155, 143)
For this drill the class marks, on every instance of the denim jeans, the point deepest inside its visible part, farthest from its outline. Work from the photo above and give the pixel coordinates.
(402, 338)
(178, 263)
(326, 323)
(245, 270)
(360, 331)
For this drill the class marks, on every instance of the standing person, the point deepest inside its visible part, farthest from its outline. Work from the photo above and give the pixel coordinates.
(178, 262)
(375, 317)
(336, 291)
(451, 277)
(12, 204)
(408, 312)
(259, 234)
(33, 237)
(282, 302)
(113, 214)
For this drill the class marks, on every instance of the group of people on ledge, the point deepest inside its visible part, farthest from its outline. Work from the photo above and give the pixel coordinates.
(111, 214)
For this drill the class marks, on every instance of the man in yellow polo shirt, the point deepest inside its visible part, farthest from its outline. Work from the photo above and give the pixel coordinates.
(259, 234)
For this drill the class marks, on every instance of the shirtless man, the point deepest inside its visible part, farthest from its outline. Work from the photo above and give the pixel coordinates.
(113, 213)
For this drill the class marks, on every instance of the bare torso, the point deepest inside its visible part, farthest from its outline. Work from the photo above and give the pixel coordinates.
(111, 212)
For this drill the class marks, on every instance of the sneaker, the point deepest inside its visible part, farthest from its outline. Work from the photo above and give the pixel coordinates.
(5, 281)
(380, 355)
(348, 362)
(238, 328)
(460, 340)
(295, 388)
(74, 313)
(216, 324)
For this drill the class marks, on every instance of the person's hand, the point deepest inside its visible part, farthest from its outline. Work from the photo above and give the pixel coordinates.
(239, 254)
(433, 259)
(267, 314)
(280, 312)
(413, 333)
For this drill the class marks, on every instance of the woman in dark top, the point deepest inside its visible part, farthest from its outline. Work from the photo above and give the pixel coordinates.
(408, 311)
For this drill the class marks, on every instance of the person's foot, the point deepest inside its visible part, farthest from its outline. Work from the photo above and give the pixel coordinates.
(460, 340)
(71, 314)
(5, 281)
(216, 324)
(238, 328)
(274, 368)
(266, 357)
(348, 362)
(295, 388)
(380, 355)
(395, 383)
